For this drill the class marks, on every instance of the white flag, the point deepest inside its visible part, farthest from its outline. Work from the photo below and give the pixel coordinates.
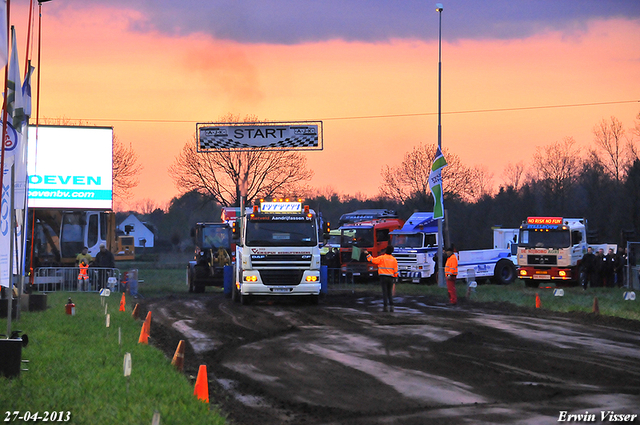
(15, 108)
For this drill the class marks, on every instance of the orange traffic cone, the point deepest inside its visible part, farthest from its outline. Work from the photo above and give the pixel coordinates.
(145, 331)
(201, 389)
(134, 314)
(596, 307)
(178, 357)
(122, 303)
(538, 303)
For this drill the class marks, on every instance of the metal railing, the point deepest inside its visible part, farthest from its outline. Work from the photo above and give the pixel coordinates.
(66, 279)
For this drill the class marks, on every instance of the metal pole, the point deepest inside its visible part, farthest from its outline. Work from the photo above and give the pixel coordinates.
(439, 8)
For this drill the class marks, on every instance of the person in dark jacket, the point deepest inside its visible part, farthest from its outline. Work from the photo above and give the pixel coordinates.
(608, 269)
(588, 269)
(104, 261)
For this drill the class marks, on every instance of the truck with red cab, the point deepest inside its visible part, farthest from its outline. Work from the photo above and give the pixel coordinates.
(365, 230)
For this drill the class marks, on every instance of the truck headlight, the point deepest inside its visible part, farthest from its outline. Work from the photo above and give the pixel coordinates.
(312, 278)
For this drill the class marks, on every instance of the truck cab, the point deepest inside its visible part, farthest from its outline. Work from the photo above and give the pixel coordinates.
(278, 252)
(213, 251)
(415, 246)
(550, 249)
(365, 230)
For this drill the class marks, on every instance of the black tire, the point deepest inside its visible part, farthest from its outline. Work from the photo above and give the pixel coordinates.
(314, 299)
(245, 299)
(190, 279)
(505, 272)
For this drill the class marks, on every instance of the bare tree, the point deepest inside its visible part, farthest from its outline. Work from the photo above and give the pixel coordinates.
(219, 174)
(635, 133)
(146, 206)
(514, 175)
(614, 155)
(411, 177)
(483, 182)
(557, 166)
(125, 169)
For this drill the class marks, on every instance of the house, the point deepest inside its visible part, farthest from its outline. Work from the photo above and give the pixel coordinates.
(143, 237)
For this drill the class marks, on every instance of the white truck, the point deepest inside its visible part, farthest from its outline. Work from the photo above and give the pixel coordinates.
(277, 252)
(416, 246)
(551, 249)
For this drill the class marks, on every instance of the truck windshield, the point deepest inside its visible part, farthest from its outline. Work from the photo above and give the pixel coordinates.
(416, 240)
(72, 235)
(215, 237)
(361, 237)
(282, 233)
(407, 241)
(334, 240)
(544, 238)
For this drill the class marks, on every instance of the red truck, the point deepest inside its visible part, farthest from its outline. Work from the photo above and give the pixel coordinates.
(364, 230)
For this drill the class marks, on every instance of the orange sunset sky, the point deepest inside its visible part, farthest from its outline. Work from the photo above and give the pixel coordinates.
(153, 72)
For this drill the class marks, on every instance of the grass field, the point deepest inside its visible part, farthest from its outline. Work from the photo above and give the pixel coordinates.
(76, 362)
(76, 366)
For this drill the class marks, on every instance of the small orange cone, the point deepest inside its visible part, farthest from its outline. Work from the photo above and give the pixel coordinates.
(178, 357)
(538, 303)
(596, 308)
(201, 389)
(134, 314)
(122, 303)
(145, 331)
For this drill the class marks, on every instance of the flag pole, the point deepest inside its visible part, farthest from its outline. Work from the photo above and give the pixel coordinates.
(4, 107)
(441, 282)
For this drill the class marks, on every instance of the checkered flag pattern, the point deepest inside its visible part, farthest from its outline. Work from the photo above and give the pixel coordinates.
(285, 136)
(289, 142)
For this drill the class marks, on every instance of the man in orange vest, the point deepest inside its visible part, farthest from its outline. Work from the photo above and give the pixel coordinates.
(451, 272)
(83, 276)
(387, 271)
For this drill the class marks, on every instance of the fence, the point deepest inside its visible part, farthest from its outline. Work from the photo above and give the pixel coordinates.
(66, 279)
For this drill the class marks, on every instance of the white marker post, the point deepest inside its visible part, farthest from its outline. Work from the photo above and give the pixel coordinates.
(127, 368)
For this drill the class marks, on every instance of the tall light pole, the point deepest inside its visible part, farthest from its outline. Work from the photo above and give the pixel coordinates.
(439, 9)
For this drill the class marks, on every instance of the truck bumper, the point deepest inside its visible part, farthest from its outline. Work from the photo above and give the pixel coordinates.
(552, 273)
(260, 289)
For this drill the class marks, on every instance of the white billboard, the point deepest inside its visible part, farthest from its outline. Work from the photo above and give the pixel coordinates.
(70, 167)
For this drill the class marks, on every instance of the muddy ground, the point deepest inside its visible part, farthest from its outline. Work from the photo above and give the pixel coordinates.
(346, 362)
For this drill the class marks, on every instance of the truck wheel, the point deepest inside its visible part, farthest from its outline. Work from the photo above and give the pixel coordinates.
(245, 299)
(504, 272)
(314, 299)
(190, 280)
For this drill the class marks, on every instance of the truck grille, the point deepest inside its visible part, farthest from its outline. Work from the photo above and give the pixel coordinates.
(402, 258)
(281, 276)
(542, 259)
(281, 269)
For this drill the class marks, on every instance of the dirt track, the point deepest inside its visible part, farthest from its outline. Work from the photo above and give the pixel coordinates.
(345, 362)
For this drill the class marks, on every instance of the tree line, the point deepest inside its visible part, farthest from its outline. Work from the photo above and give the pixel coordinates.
(600, 183)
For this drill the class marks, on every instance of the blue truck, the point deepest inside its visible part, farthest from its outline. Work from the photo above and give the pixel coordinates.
(416, 247)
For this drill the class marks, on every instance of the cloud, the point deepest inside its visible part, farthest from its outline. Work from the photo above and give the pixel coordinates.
(290, 22)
